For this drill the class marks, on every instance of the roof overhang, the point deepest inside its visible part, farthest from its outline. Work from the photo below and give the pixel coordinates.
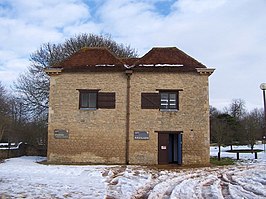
(205, 71)
(53, 71)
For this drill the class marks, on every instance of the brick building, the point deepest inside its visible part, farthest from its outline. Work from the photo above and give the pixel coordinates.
(148, 110)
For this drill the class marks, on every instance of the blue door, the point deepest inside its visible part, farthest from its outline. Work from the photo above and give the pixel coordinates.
(179, 148)
(173, 148)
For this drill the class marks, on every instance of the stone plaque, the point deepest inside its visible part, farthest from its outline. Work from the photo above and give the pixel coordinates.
(141, 135)
(61, 134)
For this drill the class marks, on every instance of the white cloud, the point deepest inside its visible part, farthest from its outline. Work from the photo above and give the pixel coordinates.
(198, 6)
(53, 14)
(7, 77)
(228, 35)
(25, 25)
(89, 27)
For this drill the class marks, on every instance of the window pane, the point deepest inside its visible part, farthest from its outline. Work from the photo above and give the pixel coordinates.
(92, 100)
(172, 103)
(164, 106)
(168, 100)
(164, 96)
(172, 96)
(84, 100)
(172, 106)
(88, 99)
(164, 101)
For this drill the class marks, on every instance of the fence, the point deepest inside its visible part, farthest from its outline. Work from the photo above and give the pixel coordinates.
(10, 150)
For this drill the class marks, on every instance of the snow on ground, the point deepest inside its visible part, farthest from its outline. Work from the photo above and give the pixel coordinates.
(25, 178)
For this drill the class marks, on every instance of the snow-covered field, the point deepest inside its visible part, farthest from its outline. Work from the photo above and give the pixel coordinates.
(25, 178)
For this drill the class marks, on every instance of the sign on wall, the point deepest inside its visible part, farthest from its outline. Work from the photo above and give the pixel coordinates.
(163, 147)
(61, 134)
(141, 135)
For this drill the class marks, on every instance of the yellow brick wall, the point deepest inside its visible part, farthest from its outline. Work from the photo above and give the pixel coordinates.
(99, 136)
(94, 136)
(192, 117)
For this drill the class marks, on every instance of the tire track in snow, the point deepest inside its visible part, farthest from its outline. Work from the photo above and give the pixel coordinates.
(233, 187)
(204, 185)
(253, 181)
(164, 188)
(219, 182)
(211, 188)
(224, 184)
(237, 191)
(124, 182)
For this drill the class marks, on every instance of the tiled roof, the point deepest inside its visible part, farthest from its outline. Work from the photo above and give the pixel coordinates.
(95, 58)
(157, 59)
(168, 57)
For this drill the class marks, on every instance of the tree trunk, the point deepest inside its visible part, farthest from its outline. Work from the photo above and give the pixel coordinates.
(219, 153)
(252, 148)
(2, 132)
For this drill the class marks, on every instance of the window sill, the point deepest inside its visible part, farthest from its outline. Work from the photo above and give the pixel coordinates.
(169, 110)
(88, 109)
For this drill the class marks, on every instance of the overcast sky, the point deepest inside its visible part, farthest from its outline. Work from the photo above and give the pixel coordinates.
(229, 35)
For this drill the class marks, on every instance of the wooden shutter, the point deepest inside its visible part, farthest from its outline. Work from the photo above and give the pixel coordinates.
(106, 100)
(150, 100)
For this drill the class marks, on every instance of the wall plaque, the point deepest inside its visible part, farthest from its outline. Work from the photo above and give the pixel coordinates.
(141, 135)
(61, 134)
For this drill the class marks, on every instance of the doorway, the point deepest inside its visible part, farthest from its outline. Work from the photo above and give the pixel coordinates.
(170, 148)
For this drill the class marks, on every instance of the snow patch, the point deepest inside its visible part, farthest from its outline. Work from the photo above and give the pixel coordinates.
(161, 65)
(25, 178)
(171, 65)
(104, 65)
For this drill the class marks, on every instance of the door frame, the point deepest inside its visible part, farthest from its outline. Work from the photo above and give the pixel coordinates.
(164, 147)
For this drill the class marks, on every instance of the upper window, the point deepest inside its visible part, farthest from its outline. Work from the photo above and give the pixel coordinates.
(93, 99)
(88, 100)
(168, 100)
(165, 100)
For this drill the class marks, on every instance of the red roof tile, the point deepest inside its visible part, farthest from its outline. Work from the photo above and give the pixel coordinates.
(157, 60)
(92, 59)
(169, 57)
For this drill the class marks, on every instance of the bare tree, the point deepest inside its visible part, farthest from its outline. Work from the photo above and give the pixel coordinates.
(237, 111)
(4, 111)
(236, 125)
(253, 126)
(219, 130)
(237, 108)
(33, 85)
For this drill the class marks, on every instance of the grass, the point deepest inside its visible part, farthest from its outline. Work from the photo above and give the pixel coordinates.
(222, 162)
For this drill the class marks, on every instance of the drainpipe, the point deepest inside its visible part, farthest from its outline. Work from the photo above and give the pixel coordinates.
(128, 74)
